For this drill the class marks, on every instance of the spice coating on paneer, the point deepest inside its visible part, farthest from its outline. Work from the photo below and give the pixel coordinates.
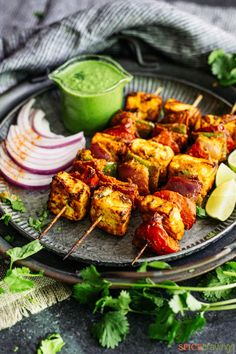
(108, 147)
(69, 191)
(172, 221)
(147, 104)
(115, 209)
(156, 154)
(194, 167)
(179, 112)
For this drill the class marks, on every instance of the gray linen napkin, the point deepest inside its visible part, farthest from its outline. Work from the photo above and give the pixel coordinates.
(179, 35)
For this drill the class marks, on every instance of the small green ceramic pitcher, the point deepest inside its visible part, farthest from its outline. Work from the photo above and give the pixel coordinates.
(91, 88)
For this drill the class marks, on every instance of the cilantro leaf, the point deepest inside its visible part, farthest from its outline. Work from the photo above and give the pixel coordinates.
(120, 304)
(38, 14)
(6, 218)
(216, 278)
(92, 286)
(16, 282)
(51, 345)
(201, 213)
(23, 252)
(1, 290)
(9, 238)
(223, 66)
(146, 300)
(155, 264)
(185, 302)
(14, 201)
(40, 222)
(111, 329)
(187, 327)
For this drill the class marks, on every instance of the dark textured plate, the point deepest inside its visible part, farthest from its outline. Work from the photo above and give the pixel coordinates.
(99, 247)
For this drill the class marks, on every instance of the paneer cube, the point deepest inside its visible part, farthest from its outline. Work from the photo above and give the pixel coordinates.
(115, 209)
(148, 105)
(108, 147)
(194, 167)
(69, 191)
(179, 112)
(158, 155)
(172, 221)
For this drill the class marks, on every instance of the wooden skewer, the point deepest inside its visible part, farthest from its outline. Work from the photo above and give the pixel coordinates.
(52, 223)
(197, 101)
(158, 91)
(78, 242)
(139, 254)
(233, 109)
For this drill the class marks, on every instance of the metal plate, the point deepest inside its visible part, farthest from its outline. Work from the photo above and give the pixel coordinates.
(99, 247)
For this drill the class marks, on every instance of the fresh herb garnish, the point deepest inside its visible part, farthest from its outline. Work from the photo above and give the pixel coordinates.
(155, 264)
(39, 223)
(201, 212)
(14, 201)
(16, 282)
(223, 66)
(38, 14)
(51, 345)
(80, 75)
(18, 253)
(9, 238)
(178, 314)
(6, 218)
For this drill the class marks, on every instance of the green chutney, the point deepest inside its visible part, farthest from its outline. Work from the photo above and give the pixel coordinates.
(91, 90)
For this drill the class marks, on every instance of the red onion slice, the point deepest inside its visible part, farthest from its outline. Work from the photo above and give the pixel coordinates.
(41, 126)
(18, 176)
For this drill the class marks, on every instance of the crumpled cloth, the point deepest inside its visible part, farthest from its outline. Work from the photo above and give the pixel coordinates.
(169, 29)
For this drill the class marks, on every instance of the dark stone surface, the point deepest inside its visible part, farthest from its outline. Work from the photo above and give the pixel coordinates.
(73, 322)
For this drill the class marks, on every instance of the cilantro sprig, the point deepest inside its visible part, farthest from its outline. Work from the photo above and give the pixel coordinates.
(223, 66)
(13, 201)
(51, 345)
(39, 223)
(177, 313)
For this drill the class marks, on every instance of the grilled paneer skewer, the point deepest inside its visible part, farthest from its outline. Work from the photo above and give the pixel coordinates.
(210, 146)
(71, 192)
(144, 162)
(172, 220)
(148, 105)
(179, 112)
(173, 135)
(196, 168)
(114, 208)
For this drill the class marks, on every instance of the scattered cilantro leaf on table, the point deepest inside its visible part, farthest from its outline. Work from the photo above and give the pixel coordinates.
(155, 264)
(111, 329)
(13, 201)
(38, 14)
(51, 345)
(223, 66)
(16, 282)
(6, 218)
(9, 238)
(39, 223)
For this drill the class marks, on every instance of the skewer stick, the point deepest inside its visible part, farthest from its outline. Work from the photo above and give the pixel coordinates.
(139, 254)
(158, 91)
(197, 100)
(233, 109)
(78, 242)
(52, 223)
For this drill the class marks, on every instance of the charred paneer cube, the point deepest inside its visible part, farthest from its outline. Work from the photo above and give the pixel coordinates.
(108, 147)
(196, 168)
(179, 112)
(114, 208)
(172, 220)
(148, 105)
(174, 135)
(69, 191)
(156, 155)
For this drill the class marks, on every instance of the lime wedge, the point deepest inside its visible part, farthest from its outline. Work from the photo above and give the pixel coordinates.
(224, 174)
(232, 160)
(221, 202)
